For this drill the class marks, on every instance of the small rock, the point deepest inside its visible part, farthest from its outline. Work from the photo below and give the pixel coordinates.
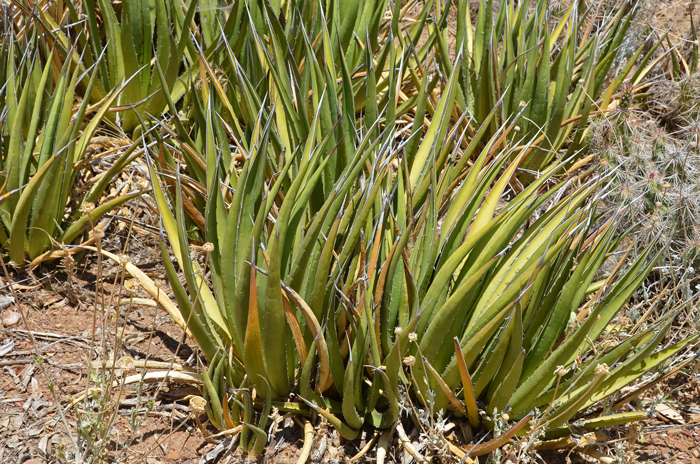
(669, 414)
(33, 461)
(696, 453)
(6, 301)
(674, 432)
(11, 318)
(172, 456)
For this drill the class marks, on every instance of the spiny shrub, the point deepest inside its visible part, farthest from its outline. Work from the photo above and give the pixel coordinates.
(649, 146)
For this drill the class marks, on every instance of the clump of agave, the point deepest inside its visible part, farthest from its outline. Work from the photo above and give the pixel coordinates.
(383, 223)
(358, 262)
(53, 108)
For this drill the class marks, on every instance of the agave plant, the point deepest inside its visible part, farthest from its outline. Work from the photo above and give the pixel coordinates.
(550, 78)
(353, 260)
(359, 292)
(555, 73)
(382, 223)
(45, 151)
(123, 45)
(684, 58)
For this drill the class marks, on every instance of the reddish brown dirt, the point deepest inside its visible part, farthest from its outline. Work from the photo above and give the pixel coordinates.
(59, 309)
(60, 314)
(676, 444)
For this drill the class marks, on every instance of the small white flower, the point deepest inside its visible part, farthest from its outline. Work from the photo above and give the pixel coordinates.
(412, 337)
(126, 364)
(409, 361)
(398, 330)
(602, 369)
(198, 404)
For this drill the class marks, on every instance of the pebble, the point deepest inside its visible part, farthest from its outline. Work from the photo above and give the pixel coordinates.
(6, 301)
(172, 456)
(11, 318)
